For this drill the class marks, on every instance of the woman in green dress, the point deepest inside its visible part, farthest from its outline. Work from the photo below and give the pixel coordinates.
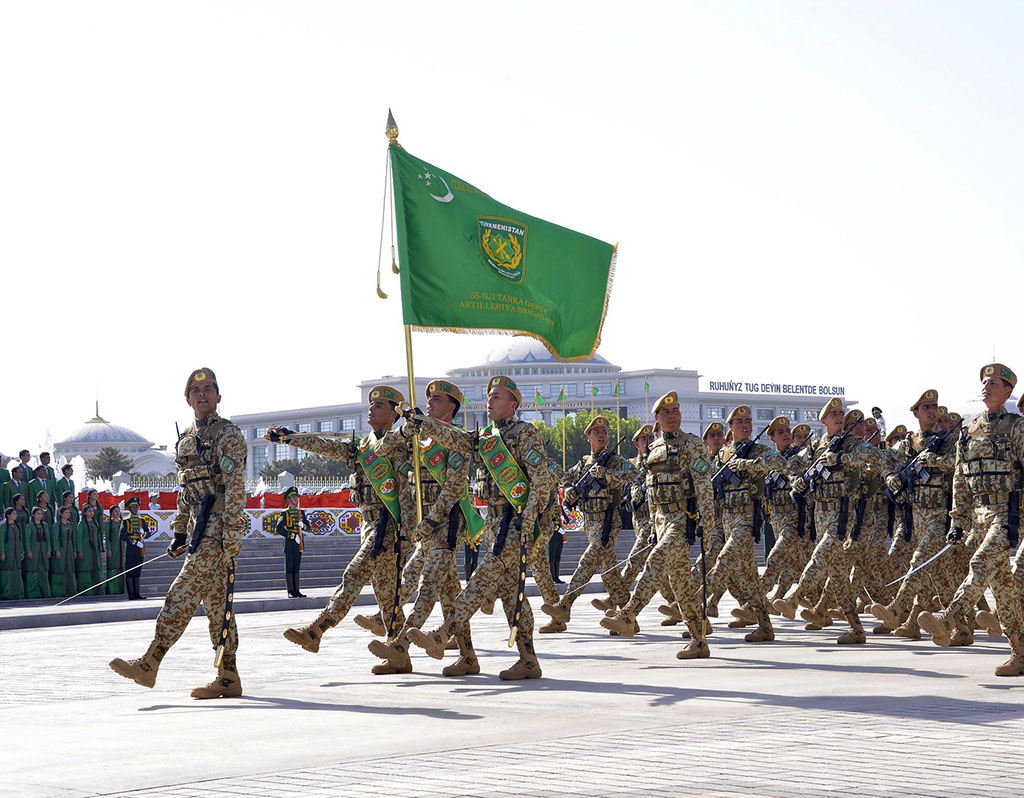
(115, 553)
(20, 505)
(43, 502)
(36, 545)
(10, 557)
(93, 498)
(89, 547)
(62, 554)
(68, 500)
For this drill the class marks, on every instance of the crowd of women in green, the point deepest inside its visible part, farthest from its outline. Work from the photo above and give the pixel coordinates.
(45, 552)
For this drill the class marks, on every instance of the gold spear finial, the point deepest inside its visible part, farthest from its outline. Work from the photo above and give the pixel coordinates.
(391, 131)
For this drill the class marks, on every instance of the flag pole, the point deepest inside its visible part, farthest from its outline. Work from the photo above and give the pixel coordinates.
(647, 401)
(415, 437)
(618, 424)
(565, 421)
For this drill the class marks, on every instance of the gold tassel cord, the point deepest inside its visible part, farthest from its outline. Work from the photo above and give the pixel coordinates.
(383, 215)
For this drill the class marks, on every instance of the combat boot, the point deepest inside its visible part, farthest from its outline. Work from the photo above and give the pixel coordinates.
(698, 646)
(226, 685)
(884, 614)
(1014, 666)
(855, 634)
(882, 629)
(466, 665)
(785, 607)
(560, 611)
(525, 668)
(451, 645)
(142, 670)
(744, 615)
(397, 651)
(962, 636)
(762, 634)
(739, 624)
(708, 631)
(814, 618)
(553, 627)
(433, 642)
(711, 610)
(989, 622)
(309, 637)
(671, 621)
(938, 625)
(671, 611)
(623, 623)
(603, 604)
(372, 623)
(909, 630)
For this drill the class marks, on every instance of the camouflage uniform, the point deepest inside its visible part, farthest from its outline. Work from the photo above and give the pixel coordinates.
(677, 476)
(987, 481)
(736, 565)
(641, 522)
(714, 541)
(600, 511)
(431, 572)
(375, 561)
(832, 516)
(789, 554)
(498, 572)
(928, 518)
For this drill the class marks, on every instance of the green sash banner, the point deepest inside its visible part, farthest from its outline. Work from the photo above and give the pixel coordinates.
(470, 264)
(507, 474)
(381, 475)
(435, 457)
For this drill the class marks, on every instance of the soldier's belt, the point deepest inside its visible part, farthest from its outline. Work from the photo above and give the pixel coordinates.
(591, 515)
(828, 505)
(671, 507)
(988, 499)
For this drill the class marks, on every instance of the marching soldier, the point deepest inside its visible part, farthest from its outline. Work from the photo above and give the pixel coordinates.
(837, 459)
(597, 489)
(924, 499)
(386, 504)
(211, 470)
(679, 493)
(516, 484)
(642, 545)
(290, 526)
(714, 438)
(736, 566)
(987, 487)
(449, 518)
(788, 515)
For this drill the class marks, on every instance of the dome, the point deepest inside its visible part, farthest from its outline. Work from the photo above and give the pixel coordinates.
(100, 431)
(526, 350)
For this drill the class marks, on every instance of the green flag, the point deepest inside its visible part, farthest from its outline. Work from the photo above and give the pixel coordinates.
(561, 395)
(538, 399)
(618, 388)
(593, 390)
(471, 264)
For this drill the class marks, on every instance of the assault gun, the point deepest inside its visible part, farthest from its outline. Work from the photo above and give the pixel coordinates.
(642, 487)
(914, 471)
(727, 475)
(776, 480)
(587, 483)
(818, 470)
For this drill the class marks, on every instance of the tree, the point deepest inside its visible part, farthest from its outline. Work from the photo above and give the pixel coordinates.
(311, 466)
(576, 444)
(107, 462)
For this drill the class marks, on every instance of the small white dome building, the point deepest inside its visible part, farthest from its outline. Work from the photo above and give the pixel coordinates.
(98, 433)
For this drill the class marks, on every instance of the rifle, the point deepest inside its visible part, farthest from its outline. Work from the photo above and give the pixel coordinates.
(913, 471)
(726, 474)
(818, 470)
(587, 482)
(776, 480)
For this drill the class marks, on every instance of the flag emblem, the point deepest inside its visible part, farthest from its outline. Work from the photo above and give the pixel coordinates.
(503, 246)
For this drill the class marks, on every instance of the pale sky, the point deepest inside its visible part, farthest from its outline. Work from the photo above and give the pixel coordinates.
(802, 191)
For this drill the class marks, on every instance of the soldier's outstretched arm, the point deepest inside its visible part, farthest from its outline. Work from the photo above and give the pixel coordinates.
(331, 448)
(451, 438)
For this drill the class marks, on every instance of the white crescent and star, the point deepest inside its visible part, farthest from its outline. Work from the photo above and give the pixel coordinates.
(427, 176)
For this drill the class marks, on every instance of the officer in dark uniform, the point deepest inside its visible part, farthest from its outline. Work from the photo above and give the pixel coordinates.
(134, 530)
(289, 526)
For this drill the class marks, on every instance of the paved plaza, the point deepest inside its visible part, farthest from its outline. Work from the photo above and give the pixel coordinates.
(611, 717)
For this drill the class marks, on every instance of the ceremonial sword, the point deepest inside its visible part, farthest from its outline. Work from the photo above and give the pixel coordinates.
(172, 554)
(913, 571)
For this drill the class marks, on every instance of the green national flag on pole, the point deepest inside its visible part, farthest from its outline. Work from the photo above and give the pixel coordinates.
(561, 396)
(538, 399)
(618, 387)
(593, 390)
(647, 387)
(471, 264)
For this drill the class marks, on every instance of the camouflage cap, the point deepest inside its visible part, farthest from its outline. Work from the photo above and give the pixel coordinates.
(387, 393)
(667, 400)
(897, 434)
(502, 381)
(777, 423)
(292, 491)
(443, 386)
(999, 370)
(714, 426)
(741, 411)
(835, 403)
(596, 421)
(931, 395)
(200, 375)
(645, 430)
(801, 429)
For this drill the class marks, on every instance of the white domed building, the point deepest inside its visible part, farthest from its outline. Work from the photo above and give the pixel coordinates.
(98, 433)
